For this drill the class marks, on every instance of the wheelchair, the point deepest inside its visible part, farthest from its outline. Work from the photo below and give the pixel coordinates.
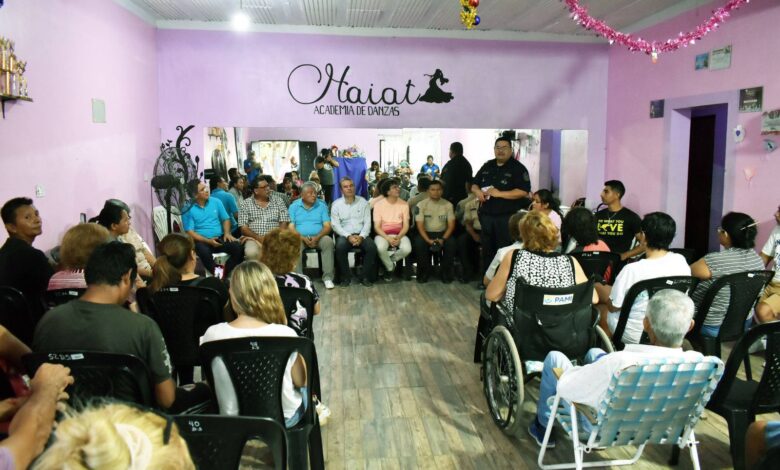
(543, 320)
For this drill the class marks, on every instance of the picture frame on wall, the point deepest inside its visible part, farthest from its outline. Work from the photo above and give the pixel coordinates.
(720, 58)
(751, 99)
(656, 109)
(702, 61)
(770, 122)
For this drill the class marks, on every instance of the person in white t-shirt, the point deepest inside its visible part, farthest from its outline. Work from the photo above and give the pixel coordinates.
(255, 298)
(768, 308)
(658, 230)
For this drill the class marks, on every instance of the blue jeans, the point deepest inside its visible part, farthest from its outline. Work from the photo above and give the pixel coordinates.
(549, 384)
(294, 419)
(712, 331)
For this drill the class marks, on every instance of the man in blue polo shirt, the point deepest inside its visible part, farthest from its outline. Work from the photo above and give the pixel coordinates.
(219, 187)
(208, 223)
(309, 217)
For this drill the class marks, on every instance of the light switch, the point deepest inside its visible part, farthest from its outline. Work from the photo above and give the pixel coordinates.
(39, 191)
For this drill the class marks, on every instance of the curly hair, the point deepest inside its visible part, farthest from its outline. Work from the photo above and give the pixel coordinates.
(281, 250)
(254, 292)
(79, 242)
(539, 232)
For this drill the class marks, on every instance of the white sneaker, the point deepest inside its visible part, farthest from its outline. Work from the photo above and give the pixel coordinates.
(323, 413)
(329, 284)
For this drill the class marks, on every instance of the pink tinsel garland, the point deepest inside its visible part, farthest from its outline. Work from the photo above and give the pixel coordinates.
(581, 16)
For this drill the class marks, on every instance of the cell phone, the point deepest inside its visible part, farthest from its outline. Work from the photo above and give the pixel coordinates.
(219, 272)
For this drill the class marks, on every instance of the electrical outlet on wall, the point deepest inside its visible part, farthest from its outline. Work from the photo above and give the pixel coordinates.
(39, 191)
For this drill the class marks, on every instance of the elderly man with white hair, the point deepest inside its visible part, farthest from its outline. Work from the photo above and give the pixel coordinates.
(669, 317)
(309, 217)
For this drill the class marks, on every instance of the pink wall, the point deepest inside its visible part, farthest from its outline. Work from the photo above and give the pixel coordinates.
(641, 151)
(77, 51)
(211, 78)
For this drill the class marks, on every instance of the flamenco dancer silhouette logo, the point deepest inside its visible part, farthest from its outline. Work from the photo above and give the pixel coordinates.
(434, 94)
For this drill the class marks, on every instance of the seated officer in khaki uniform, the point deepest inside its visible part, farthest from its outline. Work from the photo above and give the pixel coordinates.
(435, 226)
(469, 239)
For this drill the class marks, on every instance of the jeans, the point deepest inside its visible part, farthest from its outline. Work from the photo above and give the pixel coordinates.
(549, 385)
(383, 251)
(233, 249)
(294, 419)
(326, 247)
(368, 249)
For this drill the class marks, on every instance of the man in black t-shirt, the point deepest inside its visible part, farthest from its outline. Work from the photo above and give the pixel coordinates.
(502, 187)
(618, 225)
(456, 175)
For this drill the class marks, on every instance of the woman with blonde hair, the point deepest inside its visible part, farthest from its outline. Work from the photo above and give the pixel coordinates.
(176, 267)
(255, 299)
(115, 436)
(78, 243)
(536, 263)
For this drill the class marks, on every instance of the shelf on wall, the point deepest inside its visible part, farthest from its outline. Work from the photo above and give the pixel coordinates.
(4, 98)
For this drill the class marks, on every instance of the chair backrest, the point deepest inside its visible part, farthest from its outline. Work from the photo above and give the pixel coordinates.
(651, 287)
(656, 401)
(144, 299)
(688, 253)
(15, 314)
(553, 319)
(299, 308)
(744, 289)
(98, 375)
(219, 441)
(183, 314)
(601, 263)
(766, 398)
(57, 297)
(255, 367)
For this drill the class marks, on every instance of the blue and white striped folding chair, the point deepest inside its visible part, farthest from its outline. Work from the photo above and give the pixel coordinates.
(658, 401)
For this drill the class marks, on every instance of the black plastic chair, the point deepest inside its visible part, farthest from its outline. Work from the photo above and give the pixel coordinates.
(99, 375)
(684, 284)
(143, 298)
(305, 258)
(601, 264)
(219, 441)
(688, 253)
(16, 315)
(484, 326)
(769, 462)
(293, 298)
(255, 369)
(57, 297)
(744, 289)
(739, 401)
(184, 313)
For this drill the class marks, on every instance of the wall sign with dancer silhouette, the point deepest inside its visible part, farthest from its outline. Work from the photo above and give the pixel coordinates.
(332, 93)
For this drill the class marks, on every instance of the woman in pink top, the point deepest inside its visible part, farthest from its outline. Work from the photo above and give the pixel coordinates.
(78, 243)
(545, 202)
(391, 223)
(579, 232)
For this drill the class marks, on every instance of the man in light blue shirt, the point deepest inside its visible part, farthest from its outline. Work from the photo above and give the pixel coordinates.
(351, 219)
(208, 223)
(219, 187)
(309, 217)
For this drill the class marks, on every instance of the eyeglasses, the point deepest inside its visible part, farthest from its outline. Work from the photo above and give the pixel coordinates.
(504, 147)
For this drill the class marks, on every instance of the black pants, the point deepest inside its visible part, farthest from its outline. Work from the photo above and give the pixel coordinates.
(368, 249)
(422, 251)
(468, 253)
(327, 191)
(495, 235)
(234, 249)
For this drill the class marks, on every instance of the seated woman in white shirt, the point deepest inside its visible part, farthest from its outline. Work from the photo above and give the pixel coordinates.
(255, 299)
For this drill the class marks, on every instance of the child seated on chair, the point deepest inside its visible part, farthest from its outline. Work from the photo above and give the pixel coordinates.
(669, 317)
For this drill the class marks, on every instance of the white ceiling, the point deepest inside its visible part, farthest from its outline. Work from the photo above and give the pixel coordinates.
(501, 19)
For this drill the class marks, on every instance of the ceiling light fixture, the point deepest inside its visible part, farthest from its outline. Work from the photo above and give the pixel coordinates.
(240, 20)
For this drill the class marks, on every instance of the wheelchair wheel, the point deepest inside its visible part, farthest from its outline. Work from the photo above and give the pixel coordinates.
(503, 379)
(601, 337)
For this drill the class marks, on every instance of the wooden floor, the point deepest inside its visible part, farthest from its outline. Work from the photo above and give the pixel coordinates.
(397, 373)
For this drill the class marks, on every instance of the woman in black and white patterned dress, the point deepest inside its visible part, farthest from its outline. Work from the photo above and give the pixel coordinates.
(537, 263)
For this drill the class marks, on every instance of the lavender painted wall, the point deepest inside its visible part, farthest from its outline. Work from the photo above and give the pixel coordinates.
(77, 51)
(210, 78)
(645, 153)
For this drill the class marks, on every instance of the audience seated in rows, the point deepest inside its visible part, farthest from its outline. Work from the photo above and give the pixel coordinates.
(259, 214)
(579, 232)
(254, 297)
(115, 435)
(435, 220)
(218, 188)
(282, 254)
(737, 235)
(768, 308)
(309, 218)
(351, 221)
(208, 223)
(77, 246)
(657, 231)
(536, 263)
(618, 226)
(21, 266)
(176, 267)
(391, 224)
(669, 317)
(544, 201)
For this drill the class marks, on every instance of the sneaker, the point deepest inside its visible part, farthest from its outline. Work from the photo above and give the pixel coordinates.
(387, 276)
(329, 284)
(323, 413)
(536, 431)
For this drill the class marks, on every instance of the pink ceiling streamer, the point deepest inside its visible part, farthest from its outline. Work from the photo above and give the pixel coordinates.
(635, 44)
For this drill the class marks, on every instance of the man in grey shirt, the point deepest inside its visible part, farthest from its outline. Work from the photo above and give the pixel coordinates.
(324, 165)
(350, 217)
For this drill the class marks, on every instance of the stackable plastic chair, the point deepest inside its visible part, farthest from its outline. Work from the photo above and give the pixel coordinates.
(295, 298)
(599, 263)
(16, 315)
(57, 297)
(657, 401)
